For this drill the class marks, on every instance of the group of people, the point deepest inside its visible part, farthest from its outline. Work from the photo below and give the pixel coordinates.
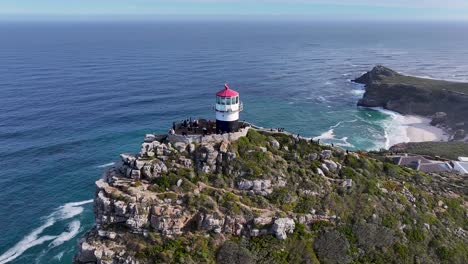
(277, 129)
(184, 127)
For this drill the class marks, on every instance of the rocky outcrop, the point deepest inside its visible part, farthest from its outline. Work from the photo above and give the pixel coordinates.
(444, 101)
(260, 201)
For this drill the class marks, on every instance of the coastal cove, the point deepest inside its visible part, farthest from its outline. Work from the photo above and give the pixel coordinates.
(82, 93)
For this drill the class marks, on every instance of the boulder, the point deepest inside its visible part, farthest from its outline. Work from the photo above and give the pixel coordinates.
(320, 172)
(127, 158)
(245, 185)
(139, 164)
(283, 226)
(439, 118)
(324, 167)
(262, 221)
(224, 147)
(86, 253)
(274, 144)
(326, 154)
(136, 174)
(348, 183)
(191, 148)
(180, 146)
(331, 165)
(311, 156)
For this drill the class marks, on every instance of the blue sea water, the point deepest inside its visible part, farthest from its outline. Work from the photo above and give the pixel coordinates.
(75, 95)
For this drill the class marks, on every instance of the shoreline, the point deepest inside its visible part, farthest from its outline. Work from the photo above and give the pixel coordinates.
(411, 128)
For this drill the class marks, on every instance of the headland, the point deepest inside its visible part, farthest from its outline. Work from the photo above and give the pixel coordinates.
(444, 102)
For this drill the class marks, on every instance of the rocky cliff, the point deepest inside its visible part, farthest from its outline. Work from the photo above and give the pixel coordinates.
(272, 198)
(446, 102)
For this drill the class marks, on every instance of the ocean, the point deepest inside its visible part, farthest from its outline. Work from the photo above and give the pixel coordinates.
(76, 95)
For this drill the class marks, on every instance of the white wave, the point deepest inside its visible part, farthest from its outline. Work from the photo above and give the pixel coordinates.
(341, 122)
(27, 242)
(63, 212)
(330, 134)
(59, 255)
(70, 210)
(345, 143)
(73, 229)
(321, 99)
(106, 165)
(395, 128)
(328, 83)
(358, 92)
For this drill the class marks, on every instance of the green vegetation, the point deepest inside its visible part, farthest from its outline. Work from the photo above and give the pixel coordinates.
(390, 214)
(427, 83)
(448, 150)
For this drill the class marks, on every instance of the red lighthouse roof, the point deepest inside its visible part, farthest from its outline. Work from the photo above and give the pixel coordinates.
(227, 92)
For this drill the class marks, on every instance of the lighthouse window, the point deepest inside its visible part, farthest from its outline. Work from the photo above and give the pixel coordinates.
(228, 101)
(218, 100)
(237, 99)
(223, 100)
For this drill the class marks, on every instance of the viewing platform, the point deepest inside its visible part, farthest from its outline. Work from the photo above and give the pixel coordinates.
(203, 130)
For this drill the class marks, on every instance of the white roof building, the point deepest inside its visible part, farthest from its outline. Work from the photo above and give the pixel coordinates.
(464, 159)
(460, 166)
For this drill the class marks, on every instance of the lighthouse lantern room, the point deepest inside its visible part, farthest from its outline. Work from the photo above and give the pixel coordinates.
(227, 110)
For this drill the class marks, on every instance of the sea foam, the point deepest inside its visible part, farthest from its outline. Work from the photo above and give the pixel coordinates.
(34, 238)
(106, 165)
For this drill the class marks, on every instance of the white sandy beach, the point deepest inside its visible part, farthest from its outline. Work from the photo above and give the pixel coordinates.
(419, 129)
(411, 128)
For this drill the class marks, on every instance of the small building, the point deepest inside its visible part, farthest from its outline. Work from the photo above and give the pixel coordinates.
(423, 164)
(460, 166)
(410, 161)
(463, 159)
(434, 166)
(227, 107)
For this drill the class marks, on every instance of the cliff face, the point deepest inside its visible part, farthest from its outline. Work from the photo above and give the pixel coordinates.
(446, 102)
(272, 198)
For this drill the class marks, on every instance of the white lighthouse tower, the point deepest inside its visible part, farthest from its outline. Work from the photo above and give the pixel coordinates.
(228, 106)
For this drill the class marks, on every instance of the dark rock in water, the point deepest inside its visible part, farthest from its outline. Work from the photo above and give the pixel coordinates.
(446, 102)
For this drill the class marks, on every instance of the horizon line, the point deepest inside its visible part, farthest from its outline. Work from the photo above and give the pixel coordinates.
(198, 17)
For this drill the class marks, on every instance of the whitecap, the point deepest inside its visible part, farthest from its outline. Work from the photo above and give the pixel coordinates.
(63, 212)
(345, 143)
(73, 229)
(395, 128)
(106, 165)
(358, 92)
(69, 210)
(29, 241)
(330, 134)
(321, 99)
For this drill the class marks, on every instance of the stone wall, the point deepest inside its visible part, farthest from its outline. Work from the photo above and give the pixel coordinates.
(213, 138)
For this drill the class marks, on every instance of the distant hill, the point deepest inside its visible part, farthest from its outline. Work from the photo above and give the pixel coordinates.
(446, 102)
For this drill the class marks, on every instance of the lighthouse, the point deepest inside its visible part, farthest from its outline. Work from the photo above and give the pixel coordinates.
(227, 110)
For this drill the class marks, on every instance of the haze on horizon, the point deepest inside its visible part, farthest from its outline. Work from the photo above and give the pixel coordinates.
(396, 10)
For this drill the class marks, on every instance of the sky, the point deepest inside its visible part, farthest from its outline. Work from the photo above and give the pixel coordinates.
(303, 9)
